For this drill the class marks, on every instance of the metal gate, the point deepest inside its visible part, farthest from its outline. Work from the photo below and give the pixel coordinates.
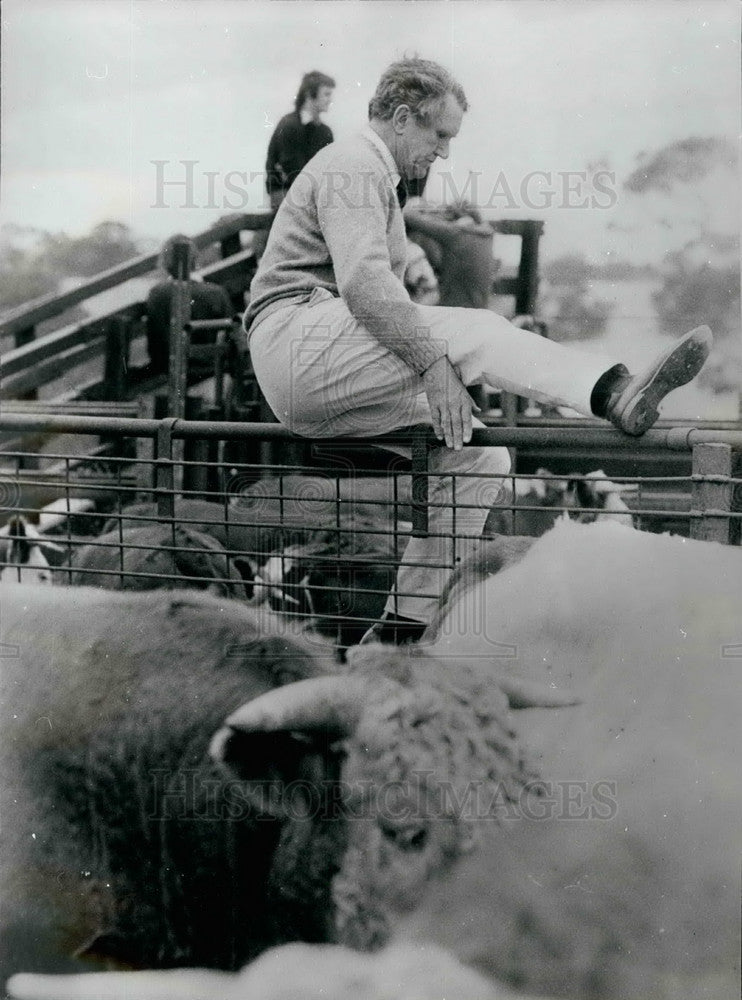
(314, 529)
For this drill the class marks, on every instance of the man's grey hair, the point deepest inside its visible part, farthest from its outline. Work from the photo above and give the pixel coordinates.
(420, 84)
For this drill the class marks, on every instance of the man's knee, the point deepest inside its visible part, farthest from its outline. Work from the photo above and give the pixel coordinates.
(478, 461)
(480, 471)
(491, 467)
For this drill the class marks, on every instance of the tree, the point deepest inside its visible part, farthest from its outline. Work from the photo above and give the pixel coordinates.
(108, 244)
(34, 262)
(567, 306)
(693, 293)
(23, 277)
(682, 162)
(700, 281)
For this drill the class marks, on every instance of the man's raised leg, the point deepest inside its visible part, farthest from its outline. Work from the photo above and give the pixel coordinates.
(485, 347)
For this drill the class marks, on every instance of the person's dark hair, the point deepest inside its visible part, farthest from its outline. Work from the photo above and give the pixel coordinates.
(420, 84)
(167, 254)
(310, 84)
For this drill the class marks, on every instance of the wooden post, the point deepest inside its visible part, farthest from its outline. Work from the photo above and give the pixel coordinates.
(231, 245)
(220, 355)
(509, 406)
(22, 337)
(735, 529)
(525, 299)
(180, 314)
(116, 357)
(712, 492)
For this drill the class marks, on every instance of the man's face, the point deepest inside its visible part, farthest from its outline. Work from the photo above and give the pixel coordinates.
(323, 100)
(418, 146)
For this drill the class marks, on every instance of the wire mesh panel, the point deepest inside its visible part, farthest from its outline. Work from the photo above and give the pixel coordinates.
(314, 530)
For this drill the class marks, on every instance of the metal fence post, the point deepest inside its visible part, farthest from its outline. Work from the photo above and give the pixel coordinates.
(711, 492)
(419, 502)
(164, 469)
(196, 452)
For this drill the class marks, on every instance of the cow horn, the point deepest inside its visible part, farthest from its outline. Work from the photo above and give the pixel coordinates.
(329, 704)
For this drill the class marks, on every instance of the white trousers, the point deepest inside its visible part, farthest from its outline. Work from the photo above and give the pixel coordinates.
(324, 375)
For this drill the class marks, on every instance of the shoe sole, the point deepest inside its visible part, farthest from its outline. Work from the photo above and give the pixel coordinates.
(679, 366)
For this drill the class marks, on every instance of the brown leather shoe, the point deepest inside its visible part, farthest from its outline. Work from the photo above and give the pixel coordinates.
(632, 406)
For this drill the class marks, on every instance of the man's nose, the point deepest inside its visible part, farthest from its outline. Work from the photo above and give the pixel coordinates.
(442, 150)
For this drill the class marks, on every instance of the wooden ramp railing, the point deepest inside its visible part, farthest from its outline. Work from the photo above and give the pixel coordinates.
(34, 362)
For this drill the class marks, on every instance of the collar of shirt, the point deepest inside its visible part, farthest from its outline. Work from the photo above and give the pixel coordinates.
(378, 142)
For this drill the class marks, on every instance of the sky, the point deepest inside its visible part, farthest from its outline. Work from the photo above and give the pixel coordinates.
(102, 100)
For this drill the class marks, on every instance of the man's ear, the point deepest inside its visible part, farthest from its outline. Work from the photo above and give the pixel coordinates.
(400, 118)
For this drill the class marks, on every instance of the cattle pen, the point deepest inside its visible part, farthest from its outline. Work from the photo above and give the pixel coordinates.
(316, 528)
(137, 484)
(116, 484)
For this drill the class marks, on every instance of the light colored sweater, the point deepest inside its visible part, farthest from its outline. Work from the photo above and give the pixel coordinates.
(341, 228)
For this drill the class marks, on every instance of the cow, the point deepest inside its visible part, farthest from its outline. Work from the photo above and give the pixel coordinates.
(268, 514)
(337, 583)
(609, 869)
(24, 553)
(189, 781)
(623, 879)
(156, 556)
(492, 555)
(289, 972)
(109, 702)
(327, 558)
(538, 501)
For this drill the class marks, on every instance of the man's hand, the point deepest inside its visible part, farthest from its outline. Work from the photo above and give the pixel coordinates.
(451, 406)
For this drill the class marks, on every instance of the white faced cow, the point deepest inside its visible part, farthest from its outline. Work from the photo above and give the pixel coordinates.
(622, 879)
(23, 559)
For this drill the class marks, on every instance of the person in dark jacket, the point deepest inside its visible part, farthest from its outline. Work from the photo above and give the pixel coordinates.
(298, 135)
(208, 301)
(461, 252)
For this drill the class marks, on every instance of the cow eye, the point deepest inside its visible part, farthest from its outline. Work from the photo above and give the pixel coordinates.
(410, 837)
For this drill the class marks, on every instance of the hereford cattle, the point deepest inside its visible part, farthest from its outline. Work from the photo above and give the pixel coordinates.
(313, 818)
(290, 972)
(160, 557)
(537, 502)
(24, 553)
(622, 879)
(264, 516)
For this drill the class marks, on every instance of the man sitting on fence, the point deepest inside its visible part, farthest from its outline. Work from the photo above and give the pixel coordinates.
(339, 349)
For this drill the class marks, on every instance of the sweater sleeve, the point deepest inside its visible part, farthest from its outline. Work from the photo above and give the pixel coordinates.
(354, 208)
(421, 222)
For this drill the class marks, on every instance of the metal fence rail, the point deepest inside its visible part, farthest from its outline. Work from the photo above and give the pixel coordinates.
(319, 536)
